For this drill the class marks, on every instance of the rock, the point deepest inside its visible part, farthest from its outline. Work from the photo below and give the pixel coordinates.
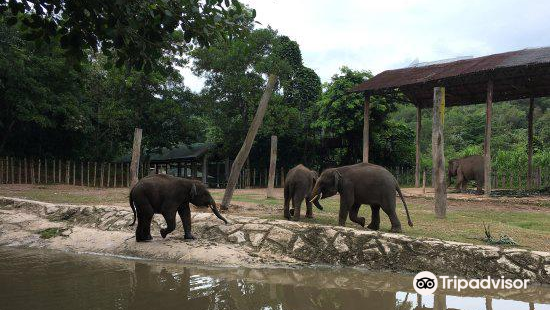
(256, 227)
(298, 245)
(280, 235)
(66, 232)
(256, 238)
(237, 237)
(229, 229)
(340, 244)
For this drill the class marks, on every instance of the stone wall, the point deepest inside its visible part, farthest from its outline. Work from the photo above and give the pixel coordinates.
(318, 244)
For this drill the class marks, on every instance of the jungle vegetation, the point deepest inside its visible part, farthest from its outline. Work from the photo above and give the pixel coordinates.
(77, 92)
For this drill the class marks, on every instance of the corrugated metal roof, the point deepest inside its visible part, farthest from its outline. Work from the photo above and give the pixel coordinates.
(180, 153)
(398, 78)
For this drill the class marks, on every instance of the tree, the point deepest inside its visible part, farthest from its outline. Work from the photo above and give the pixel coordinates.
(136, 33)
(340, 117)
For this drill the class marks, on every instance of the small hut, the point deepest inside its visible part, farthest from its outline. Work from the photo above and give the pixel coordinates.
(523, 74)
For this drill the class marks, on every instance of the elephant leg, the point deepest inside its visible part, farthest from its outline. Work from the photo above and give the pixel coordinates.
(144, 217)
(353, 215)
(375, 218)
(185, 216)
(345, 205)
(460, 181)
(389, 209)
(287, 194)
(297, 204)
(170, 218)
(309, 208)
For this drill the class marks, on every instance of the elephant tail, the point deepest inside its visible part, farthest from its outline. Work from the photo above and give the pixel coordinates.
(404, 204)
(133, 208)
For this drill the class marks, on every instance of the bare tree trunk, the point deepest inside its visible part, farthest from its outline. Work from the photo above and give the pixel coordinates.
(272, 167)
(247, 144)
(136, 151)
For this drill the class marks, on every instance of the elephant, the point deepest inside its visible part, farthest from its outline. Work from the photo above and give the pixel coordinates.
(359, 184)
(466, 169)
(298, 185)
(166, 195)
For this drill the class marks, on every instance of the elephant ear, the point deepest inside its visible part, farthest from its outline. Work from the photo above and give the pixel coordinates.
(337, 180)
(193, 191)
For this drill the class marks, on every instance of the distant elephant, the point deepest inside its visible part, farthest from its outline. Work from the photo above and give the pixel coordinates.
(298, 185)
(166, 195)
(359, 184)
(466, 169)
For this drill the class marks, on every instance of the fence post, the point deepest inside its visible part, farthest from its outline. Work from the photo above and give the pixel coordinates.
(88, 174)
(424, 181)
(1, 171)
(95, 173)
(12, 170)
(101, 174)
(114, 177)
(39, 166)
(59, 172)
(32, 170)
(108, 174)
(25, 170)
(68, 172)
(19, 174)
(81, 173)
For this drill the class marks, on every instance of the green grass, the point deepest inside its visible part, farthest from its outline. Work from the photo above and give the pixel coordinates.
(50, 232)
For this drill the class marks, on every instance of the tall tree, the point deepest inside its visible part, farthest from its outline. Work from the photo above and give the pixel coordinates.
(136, 33)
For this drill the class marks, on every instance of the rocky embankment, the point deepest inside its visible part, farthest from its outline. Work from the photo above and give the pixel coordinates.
(249, 241)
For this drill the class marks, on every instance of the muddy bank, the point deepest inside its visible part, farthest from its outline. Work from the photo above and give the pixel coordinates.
(249, 241)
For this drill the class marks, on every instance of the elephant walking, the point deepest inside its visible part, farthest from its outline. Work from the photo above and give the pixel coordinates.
(298, 185)
(359, 184)
(166, 195)
(466, 169)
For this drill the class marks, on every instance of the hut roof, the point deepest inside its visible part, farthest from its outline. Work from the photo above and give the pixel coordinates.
(516, 75)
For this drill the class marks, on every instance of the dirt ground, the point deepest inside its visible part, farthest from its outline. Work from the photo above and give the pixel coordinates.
(526, 220)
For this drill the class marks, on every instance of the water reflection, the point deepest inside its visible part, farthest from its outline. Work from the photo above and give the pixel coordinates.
(46, 280)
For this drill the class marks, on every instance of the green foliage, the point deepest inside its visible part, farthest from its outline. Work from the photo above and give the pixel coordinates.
(136, 33)
(340, 117)
(49, 233)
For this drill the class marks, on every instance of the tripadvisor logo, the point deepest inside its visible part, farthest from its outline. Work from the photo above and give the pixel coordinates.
(426, 283)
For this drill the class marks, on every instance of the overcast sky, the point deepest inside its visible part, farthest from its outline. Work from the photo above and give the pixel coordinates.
(386, 34)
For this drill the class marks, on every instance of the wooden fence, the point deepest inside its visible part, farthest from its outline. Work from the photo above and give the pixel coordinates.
(69, 172)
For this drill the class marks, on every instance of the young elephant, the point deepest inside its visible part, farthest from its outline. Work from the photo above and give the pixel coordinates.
(166, 195)
(362, 184)
(466, 169)
(298, 185)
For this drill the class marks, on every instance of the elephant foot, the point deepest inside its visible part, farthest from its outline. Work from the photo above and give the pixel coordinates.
(361, 221)
(146, 239)
(396, 230)
(189, 236)
(291, 212)
(373, 226)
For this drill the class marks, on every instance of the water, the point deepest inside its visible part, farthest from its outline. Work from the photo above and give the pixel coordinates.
(38, 279)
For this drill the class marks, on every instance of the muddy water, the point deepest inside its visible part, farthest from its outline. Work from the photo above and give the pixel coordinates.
(36, 279)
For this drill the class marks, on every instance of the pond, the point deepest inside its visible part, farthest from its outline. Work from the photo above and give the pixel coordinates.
(40, 279)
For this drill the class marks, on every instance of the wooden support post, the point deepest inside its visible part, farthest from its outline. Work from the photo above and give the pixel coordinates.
(74, 172)
(32, 171)
(54, 172)
(68, 172)
(487, 144)
(95, 172)
(2, 168)
(282, 177)
(272, 166)
(114, 177)
(366, 110)
(136, 152)
(19, 174)
(205, 170)
(440, 302)
(193, 170)
(59, 180)
(438, 156)
(122, 174)
(128, 175)
(12, 170)
(88, 174)
(39, 168)
(417, 143)
(81, 173)
(530, 143)
(101, 172)
(108, 174)
(25, 169)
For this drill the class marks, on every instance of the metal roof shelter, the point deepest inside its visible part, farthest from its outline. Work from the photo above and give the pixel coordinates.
(506, 76)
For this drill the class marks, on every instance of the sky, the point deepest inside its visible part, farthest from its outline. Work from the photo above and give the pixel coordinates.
(389, 34)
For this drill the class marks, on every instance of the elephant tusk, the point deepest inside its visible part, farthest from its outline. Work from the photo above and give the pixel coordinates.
(314, 198)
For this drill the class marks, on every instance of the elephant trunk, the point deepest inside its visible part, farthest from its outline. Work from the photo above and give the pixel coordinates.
(216, 212)
(316, 195)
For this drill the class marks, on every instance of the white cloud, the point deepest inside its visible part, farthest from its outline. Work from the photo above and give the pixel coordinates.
(380, 35)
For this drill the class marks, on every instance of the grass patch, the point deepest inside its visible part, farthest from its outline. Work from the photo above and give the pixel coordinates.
(50, 232)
